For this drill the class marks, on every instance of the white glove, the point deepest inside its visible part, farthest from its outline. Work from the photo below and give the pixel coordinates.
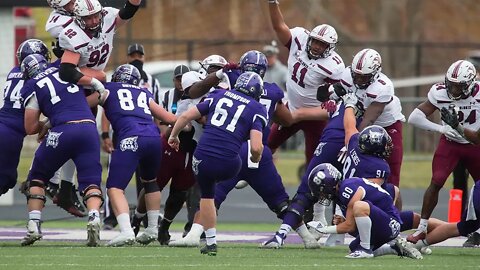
(342, 155)
(97, 86)
(450, 132)
(350, 100)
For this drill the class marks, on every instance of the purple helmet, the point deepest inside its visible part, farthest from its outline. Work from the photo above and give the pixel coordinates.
(31, 46)
(374, 140)
(322, 181)
(127, 74)
(251, 84)
(254, 61)
(33, 65)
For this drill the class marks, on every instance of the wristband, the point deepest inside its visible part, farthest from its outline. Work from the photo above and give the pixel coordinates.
(330, 229)
(105, 135)
(219, 74)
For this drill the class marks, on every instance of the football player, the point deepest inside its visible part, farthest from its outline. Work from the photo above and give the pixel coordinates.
(233, 118)
(459, 92)
(73, 135)
(312, 61)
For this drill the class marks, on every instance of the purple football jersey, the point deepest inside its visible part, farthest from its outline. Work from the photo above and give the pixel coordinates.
(231, 116)
(60, 101)
(12, 113)
(358, 164)
(127, 109)
(271, 96)
(373, 193)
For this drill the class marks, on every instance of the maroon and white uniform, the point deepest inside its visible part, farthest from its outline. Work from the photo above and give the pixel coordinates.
(382, 91)
(305, 75)
(451, 150)
(94, 52)
(56, 23)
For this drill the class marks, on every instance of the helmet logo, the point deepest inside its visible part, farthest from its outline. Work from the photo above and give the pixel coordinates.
(360, 61)
(375, 136)
(456, 69)
(35, 47)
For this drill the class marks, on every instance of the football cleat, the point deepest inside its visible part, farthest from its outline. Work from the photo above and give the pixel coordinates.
(426, 250)
(148, 236)
(210, 250)
(275, 242)
(51, 190)
(93, 233)
(123, 239)
(360, 253)
(416, 236)
(312, 228)
(406, 249)
(185, 242)
(473, 240)
(67, 199)
(34, 232)
(135, 223)
(163, 237)
(241, 184)
(109, 222)
(335, 240)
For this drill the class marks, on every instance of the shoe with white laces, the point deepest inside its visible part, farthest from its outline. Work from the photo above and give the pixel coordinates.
(34, 232)
(148, 236)
(312, 228)
(406, 249)
(360, 253)
(123, 239)
(416, 236)
(275, 242)
(93, 233)
(185, 242)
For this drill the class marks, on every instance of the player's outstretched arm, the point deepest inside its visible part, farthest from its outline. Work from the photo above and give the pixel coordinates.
(256, 145)
(310, 113)
(127, 12)
(349, 119)
(278, 23)
(32, 123)
(202, 87)
(371, 114)
(160, 113)
(283, 116)
(182, 121)
(68, 72)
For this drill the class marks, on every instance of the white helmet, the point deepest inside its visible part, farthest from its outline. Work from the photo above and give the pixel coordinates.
(85, 8)
(366, 67)
(324, 33)
(460, 79)
(191, 77)
(59, 5)
(213, 60)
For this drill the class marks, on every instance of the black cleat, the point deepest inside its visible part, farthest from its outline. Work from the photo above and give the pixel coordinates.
(473, 240)
(136, 224)
(67, 200)
(163, 237)
(210, 250)
(51, 190)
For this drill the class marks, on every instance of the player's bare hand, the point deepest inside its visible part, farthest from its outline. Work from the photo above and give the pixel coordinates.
(107, 145)
(174, 142)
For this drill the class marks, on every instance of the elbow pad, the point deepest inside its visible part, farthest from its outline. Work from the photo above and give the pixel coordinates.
(69, 73)
(127, 11)
(322, 93)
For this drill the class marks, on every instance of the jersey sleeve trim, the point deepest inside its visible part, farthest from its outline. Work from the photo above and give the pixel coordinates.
(81, 45)
(112, 26)
(324, 69)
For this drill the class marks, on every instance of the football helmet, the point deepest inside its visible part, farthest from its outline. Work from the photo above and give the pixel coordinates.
(251, 84)
(460, 79)
(366, 67)
(254, 61)
(33, 65)
(213, 63)
(31, 46)
(87, 8)
(374, 140)
(59, 6)
(322, 181)
(126, 73)
(326, 34)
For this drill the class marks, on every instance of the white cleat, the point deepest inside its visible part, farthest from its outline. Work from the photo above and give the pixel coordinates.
(275, 242)
(34, 233)
(93, 234)
(407, 249)
(241, 184)
(312, 228)
(360, 254)
(426, 250)
(335, 240)
(123, 239)
(148, 236)
(185, 242)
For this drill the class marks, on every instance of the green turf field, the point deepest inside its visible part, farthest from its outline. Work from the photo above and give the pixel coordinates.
(65, 255)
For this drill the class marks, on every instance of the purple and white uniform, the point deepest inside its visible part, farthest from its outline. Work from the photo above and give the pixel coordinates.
(270, 188)
(73, 134)
(385, 217)
(231, 116)
(138, 143)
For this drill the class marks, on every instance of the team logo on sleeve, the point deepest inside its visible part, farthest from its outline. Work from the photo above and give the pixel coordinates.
(129, 144)
(53, 138)
(318, 150)
(195, 163)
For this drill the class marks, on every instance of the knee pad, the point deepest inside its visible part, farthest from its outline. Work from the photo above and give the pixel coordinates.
(150, 186)
(280, 209)
(300, 202)
(36, 183)
(97, 194)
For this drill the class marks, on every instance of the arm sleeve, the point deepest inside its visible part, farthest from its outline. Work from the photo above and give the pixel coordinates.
(419, 119)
